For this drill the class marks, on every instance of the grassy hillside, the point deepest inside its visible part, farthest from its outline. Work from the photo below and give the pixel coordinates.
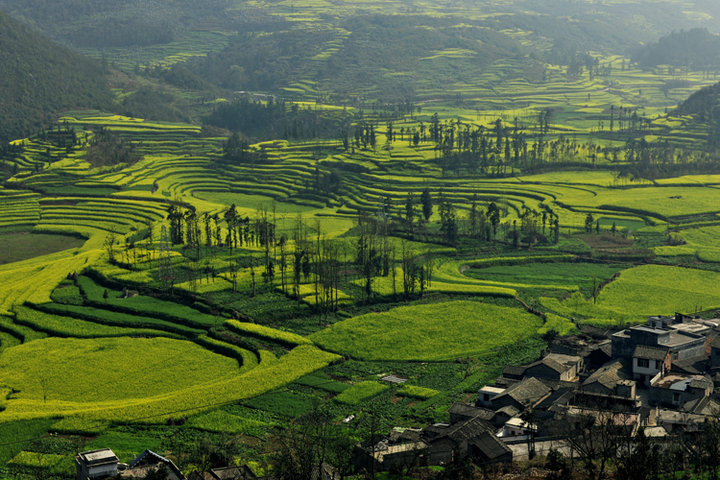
(40, 79)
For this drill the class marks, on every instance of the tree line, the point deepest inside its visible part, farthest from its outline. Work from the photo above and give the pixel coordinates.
(272, 118)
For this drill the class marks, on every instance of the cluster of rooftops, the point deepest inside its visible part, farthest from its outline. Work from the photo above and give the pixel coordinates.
(103, 463)
(659, 376)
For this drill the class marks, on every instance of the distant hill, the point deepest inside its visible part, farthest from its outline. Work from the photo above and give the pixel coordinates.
(39, 79)
(696, 48)
(115, 23)
(378, 56)
(704, 103)
(705, 106)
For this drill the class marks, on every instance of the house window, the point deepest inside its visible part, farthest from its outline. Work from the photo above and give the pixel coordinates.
(676, 398)
(675, 355)
(643, 363)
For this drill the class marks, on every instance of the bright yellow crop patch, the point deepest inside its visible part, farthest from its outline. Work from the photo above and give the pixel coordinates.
(96, 370)
(33, 280)
(104, 380)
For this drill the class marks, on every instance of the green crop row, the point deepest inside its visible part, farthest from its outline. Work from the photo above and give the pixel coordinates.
(109, 317)
(21, 333)
(323, 382)
(361, 391)
(245, 358)
(251, 422)
(417, 392)
(60, 326)
(267, 333)
(144, 305)
(51, 463)
(286, 403)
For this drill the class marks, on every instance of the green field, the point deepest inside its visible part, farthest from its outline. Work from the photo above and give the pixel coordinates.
(641, 292)
(23, 246)
(48, 395)
(361, 392)
(649, 289)
(267, 349)
(429, 332)
(548, 276)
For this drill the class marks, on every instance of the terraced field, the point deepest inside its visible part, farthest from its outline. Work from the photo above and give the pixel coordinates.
(229, 333)
(18, 209)
(161, 345)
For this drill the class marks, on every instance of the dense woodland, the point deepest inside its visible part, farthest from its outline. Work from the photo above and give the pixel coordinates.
(271, 119)
(109, 23)
(696, 49)
(39, 80)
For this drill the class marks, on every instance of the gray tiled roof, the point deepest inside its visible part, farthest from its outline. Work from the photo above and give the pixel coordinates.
(490, 446)
(526, 392)
(608, 375)
(650, 353)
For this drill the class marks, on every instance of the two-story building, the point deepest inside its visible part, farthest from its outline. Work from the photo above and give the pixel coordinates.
(649, 362)
(682, 344)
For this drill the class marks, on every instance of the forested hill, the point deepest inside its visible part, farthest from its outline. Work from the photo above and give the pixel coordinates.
(116, 23)
(696, 49)
(39, 79)
(701, 103)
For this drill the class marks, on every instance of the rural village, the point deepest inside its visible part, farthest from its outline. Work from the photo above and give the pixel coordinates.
(656, 380)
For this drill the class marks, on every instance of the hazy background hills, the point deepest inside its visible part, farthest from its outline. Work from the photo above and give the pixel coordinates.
(39, 79)
(168, 58)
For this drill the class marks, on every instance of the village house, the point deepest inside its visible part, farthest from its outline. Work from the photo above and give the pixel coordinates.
(682, 338)
(649, 362)
(715, 354)
(460, 412)
(607, 387)
(487, 393)
(672, 420)
(468, 435)
(103, 463)
(659, 376)
(521, 395)
(96, 464)
(514, 372)
(598, 355)
(461, 440)
(517, 427)
(504, 414)
(148, 462)
(225, 473)
(387, 456)
(676, 390)
(605, 380)
(556, 366)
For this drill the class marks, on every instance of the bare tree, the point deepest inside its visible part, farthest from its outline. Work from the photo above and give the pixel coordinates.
(593, 436)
